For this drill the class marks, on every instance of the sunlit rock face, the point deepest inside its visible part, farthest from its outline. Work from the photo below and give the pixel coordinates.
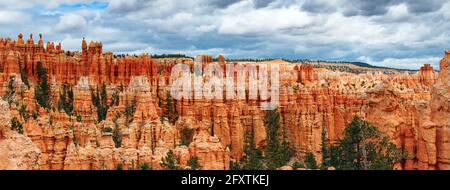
(440, 114)
(18, 152)
(412, 108)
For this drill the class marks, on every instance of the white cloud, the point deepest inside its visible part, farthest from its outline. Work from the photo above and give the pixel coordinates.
(70, 43)
(397, 12)
(302, 49)
(117, 47)
(107, 32)
(266, 20)
(11, 17)
(70, 21)
(205, 28)
(405, 63)
(124, 5)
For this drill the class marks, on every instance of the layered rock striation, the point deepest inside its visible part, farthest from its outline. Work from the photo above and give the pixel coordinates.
(138, 129)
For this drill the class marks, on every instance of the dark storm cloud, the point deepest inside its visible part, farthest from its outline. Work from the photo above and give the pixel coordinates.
(380, 7)
(368, 8)
(222, 3)
(318, 6)
(420, 6)
(133, 5)
(262, 3)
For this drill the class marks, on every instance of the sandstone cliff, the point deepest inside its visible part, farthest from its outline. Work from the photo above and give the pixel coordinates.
(411, 108)
(18, 152)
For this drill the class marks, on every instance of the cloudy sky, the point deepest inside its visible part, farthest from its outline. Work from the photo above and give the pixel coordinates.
(394, 33)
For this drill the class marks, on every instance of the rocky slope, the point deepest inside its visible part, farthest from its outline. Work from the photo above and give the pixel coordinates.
(413, 109)
(18, 152)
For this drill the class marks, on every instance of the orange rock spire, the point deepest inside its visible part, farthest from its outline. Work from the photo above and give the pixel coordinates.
(20, 41)
(411, 109)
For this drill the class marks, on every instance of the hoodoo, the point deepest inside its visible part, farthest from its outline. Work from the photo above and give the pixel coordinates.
(97, 110)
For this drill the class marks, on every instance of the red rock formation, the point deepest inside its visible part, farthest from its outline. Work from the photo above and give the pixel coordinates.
(204, 59)
(427, 76)
(102, 68)
(440, 115)
(221, 59)
(18, 152)
(209, 151)
(417, 123)
(412, 109)
(305, 73)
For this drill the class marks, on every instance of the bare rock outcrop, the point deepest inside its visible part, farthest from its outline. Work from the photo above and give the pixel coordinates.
(18, 152)
(412, 108)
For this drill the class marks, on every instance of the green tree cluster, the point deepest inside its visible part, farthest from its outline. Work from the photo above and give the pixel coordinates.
(24, 76)
(115, 98)
(16, 125)
(253, 158)
(310, 161)
(8, 96)
(325, 158)
(130, 109)
(275, 154)
(117, 134)
(186, 136)
(99, 99)
(24, 113)
(193, 163)
(170, 162)
(42, 90)
(66, 99)
(363, 147)
(145, 166)
(172, 113)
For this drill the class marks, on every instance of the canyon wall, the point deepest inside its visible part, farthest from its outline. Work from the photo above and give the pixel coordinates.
(18, 152)
(411, 108)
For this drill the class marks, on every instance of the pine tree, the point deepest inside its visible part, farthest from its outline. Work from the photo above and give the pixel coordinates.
(99, 99)
(170, 162)
(310, 161)
(186, 136)
(193, 163)
(130, 109)
(117, 135)
(172, 113)
(16, 125)
(298, 165)
(277, 154)
(24, 76)
(363, 147)
(11, 90)
(114, 98)
(66, 99)
(145, 166)
(42, 91)
(324, 145)
(253, 159)
(24, 112)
